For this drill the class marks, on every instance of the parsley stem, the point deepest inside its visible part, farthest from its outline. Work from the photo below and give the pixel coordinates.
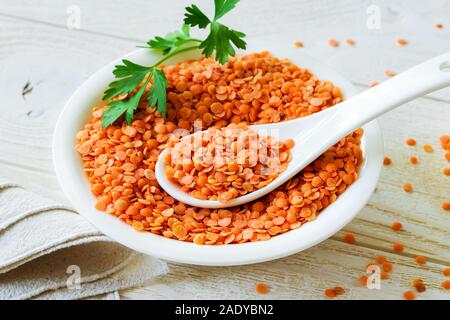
(170, 55)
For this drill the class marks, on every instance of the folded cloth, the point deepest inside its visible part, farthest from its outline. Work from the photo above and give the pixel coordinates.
(49, 252)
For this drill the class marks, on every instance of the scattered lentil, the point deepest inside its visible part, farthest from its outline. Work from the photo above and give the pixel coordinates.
(419, 285)
(380, 259)
(446, 284)
(262, 288)
(349, 238)
(387, 161)
(298, 44)
(401, 42)
(350, 42)
(384, 275)
(427, 148)
(330, 293)
(333, 292)
(333, 43)
(409, 295)
(446, 272)
(421, 260)
(413, 160)
(387, 266)
(339, 290)
(446, 206)
(411, 142)
(407, 187)
(398, 247)
(446, 171)
(363, 281)
(396, 226)
(389, 73)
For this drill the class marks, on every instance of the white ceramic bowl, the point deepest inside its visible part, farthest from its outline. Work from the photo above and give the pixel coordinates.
(76, 187)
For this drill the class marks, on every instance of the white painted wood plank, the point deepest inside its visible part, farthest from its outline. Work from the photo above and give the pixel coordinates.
(25, 141)
(312, 22)
(302, 276)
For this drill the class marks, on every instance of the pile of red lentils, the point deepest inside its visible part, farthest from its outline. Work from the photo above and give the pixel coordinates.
(226, 163)
(254, 88)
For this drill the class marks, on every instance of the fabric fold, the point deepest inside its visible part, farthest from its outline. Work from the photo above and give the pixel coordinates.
(47, 247)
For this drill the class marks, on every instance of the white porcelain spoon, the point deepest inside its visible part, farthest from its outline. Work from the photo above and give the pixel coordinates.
(314, 134)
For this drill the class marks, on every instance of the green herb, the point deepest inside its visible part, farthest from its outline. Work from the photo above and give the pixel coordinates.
(221, 38)
(131, 77)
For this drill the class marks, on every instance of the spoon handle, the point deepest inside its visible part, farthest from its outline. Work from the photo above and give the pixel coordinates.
(351, 114)
(424, 78)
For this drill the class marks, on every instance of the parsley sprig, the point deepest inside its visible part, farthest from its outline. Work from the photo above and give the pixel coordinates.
(132, 79)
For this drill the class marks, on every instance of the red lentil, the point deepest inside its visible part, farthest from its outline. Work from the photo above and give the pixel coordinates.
(333, 43)
(401, 42)
(262, 288)
(446, 171)
(390, 73)
(446, 284)
(387, 266)
(349, 238)
(421, 259)
(427, 148)
(398, 247)
(407, 187)
(396, 226)
(446, 272)
(419, 285)
(350, 42)
(444, 139)
(387, 161)
(298, 44)
(446, 206)
(381, 259)
(409, 295)
(411, 142)
(330, 293)
(363, 281)
(439, 26)
(339, 290)
(384, 275)
(413, 160)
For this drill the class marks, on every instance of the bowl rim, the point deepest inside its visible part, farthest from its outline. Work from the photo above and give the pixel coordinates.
(75, 186)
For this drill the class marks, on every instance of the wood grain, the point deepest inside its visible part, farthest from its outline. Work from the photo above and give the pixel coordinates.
(37, 47)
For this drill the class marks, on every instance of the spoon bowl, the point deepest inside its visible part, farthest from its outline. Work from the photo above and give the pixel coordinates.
(281, 131)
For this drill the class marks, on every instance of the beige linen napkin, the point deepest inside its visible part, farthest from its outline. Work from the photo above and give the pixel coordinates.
(47, 251)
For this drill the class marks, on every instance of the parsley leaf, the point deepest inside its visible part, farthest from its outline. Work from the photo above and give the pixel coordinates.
(222, 7)
(119, 107)
(157, 93)
(171, 41)
(127, 107)
(195, 17)
(130, 75)
(221, 38)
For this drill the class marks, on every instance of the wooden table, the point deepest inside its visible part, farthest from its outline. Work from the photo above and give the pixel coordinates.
(38, 48)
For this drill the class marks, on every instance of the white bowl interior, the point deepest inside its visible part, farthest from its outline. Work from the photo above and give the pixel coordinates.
(75, 184)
